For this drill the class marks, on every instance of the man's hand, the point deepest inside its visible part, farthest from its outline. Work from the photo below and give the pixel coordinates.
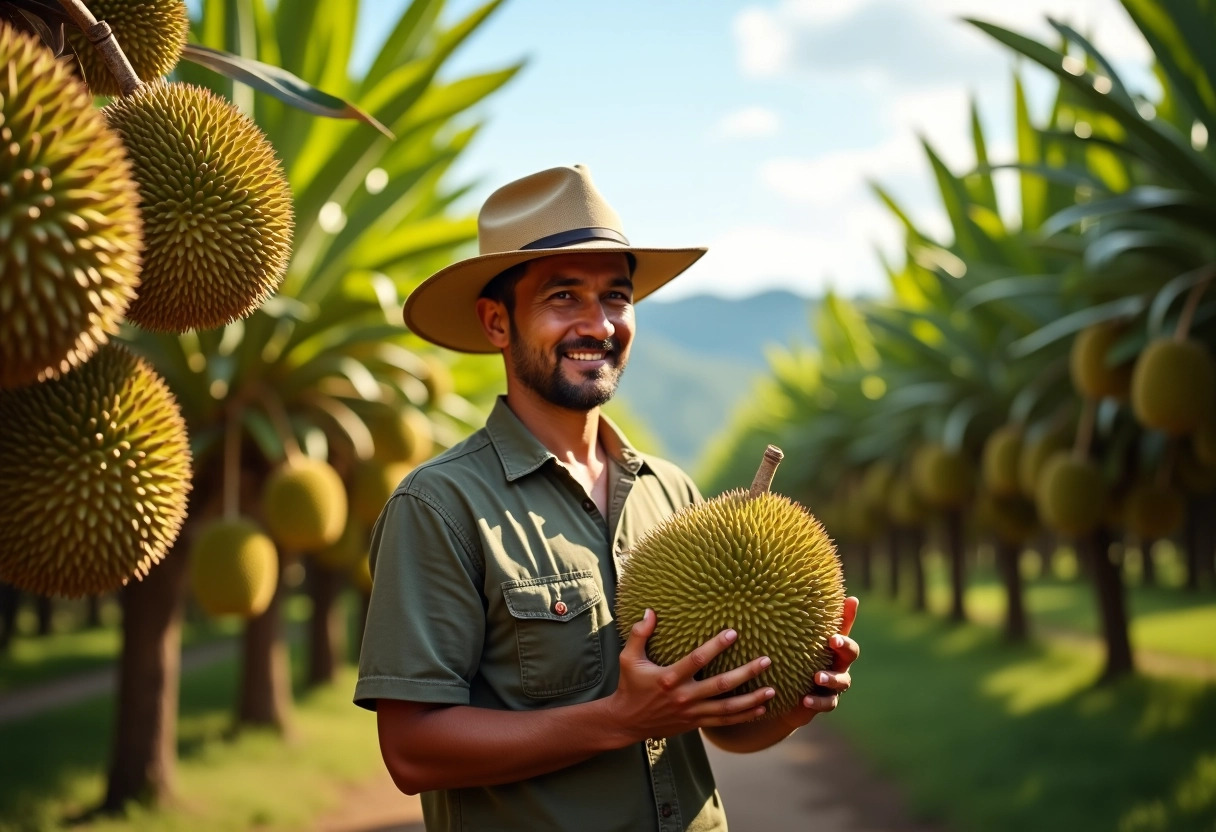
(655, 701)
(756, 736)
(837, 679)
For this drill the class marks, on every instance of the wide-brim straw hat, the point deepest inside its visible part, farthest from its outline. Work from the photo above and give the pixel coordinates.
(556, 211)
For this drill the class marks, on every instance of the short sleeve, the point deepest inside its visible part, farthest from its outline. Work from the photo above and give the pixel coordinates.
(425, 621)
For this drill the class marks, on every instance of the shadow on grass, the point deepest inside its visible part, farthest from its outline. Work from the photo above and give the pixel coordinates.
(989, 736)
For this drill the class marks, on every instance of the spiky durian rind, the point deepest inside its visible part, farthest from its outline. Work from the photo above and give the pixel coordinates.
(94, 472)
(764, 567)
(151, 33)
(69, 223)
(216, 207)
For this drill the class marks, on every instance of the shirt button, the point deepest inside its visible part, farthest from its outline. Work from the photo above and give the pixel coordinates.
(589, 504)
(560, 608)
(665, 810)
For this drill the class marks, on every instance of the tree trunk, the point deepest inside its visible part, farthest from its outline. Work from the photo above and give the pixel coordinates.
(894, 562)
(45, 608)
(143, 758)
(1192, 535)
(92, 618)
(915, 539)
(1112, 606)
(1007, 557)
(1148, 564)
(327, 627)
(10, 598)
(265, 694)
(956, 550)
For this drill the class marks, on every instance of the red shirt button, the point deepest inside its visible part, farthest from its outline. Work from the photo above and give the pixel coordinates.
(560, 608)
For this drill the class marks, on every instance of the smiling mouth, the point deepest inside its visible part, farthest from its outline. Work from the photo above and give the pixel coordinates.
(587, 355)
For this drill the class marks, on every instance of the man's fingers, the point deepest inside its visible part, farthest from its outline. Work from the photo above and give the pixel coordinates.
(743, 703)
(688, 666)
(850, 614)
(834, 681)
(845, 650)
(731, 679)
(635, 647)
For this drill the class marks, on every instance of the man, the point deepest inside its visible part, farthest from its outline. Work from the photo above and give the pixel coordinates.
(502, 689)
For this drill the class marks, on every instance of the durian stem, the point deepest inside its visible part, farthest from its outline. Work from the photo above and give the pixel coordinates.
(768, 469)
(1085, 429)
(99, 34)
(232, 464)
(282, 424)
(1192, 303)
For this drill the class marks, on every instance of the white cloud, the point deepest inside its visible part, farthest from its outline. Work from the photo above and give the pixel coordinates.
(907, 43)
(748, 123)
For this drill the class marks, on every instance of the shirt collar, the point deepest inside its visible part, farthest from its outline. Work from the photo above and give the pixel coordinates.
(521, 452)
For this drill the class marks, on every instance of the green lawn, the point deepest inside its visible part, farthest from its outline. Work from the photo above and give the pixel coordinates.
(992, 737)
(54, 765)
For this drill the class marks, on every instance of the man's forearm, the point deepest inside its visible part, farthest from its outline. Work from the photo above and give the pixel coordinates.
(750, 736)
(457, 746)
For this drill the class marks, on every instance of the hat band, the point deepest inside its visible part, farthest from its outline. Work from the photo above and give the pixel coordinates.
(576, 235)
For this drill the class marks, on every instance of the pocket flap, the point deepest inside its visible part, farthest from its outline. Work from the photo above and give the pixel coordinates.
(543, 597)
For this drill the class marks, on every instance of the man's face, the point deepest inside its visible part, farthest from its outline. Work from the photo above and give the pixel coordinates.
(572, 327)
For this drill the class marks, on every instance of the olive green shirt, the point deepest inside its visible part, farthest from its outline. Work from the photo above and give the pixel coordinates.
(494, 586)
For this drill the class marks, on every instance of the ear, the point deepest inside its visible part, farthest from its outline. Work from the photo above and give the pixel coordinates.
(494, 321)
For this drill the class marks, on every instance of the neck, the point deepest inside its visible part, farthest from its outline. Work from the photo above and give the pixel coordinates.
(571, 435)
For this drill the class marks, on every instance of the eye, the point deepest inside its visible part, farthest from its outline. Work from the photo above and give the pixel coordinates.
(563, 295)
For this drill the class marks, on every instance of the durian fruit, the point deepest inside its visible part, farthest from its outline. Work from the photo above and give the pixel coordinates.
(152, 34)
(942, 478)
(400, 434)
(372, 483)
(762, 565)
(343, 554)
(94, 474)
(876, 486)
(1152, 511)
(1035, 452)
(1093, 376)
(1071, 495)
(904, 507)
(1002, 452)
(216, 207)
(69, 219)
(234, 568)
(1011, 519)
(305, 505)
(1174, 386)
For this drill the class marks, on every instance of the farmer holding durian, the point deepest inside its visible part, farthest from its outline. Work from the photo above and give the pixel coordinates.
(503, 689)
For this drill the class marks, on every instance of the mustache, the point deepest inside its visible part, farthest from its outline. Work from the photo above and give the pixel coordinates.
(589, 345)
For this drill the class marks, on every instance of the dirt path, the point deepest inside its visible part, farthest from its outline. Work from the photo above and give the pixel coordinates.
(811, 781)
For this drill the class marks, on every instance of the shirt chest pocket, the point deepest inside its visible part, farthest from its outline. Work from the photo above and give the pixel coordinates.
(557, 630)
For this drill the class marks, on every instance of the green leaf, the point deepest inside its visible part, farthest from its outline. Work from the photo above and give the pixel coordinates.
(980, 185)
(1160, 307)
(1033, 189)
(403, 43)
(1074, 323)
(1184, 206)
(280, 83)
(1181, 39)
(1011, 288)
(1173, 154)
(438, 234)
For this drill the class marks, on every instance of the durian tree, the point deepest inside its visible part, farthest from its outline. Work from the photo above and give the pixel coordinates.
(324, 374)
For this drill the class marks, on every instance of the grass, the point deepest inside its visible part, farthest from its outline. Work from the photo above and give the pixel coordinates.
(54, 764)
(992, 737)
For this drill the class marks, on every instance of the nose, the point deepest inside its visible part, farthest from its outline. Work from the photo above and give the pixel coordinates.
(596, 323)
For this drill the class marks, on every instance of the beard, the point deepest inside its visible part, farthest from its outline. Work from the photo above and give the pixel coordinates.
(543, 374)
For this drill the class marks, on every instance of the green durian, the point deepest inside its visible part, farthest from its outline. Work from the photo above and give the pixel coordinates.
(94, 474)
(1000, 461)
(216, 207)
(234, 568)
(761, 565)
(1174, 386)
(151, 33)
(305, 505)
(70, 232)
(1071, 494)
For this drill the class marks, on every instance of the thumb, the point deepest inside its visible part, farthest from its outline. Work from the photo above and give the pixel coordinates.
(639, 633)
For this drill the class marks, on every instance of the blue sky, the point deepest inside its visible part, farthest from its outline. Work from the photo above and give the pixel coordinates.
(752, 127)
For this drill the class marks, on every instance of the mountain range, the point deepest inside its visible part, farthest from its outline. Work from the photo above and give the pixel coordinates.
(695, 360)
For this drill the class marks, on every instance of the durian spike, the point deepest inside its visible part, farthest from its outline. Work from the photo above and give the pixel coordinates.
(768, 469)
(99, 33)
